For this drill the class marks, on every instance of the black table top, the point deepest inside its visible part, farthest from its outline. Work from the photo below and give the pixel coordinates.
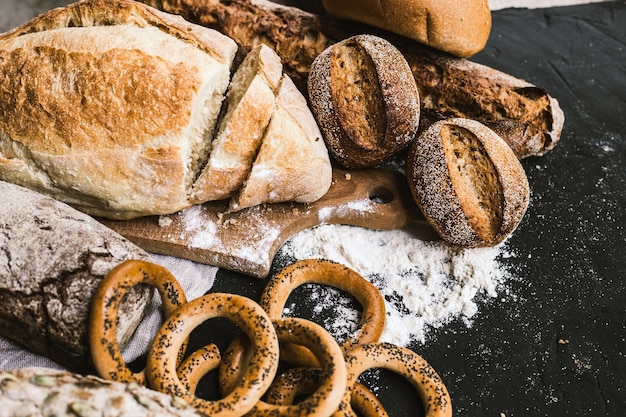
(560, 348)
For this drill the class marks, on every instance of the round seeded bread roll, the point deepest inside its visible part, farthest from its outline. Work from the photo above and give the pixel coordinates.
(468, 183)
(365, 100)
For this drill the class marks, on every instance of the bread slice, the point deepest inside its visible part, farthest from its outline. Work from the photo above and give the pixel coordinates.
(249, 106)
(293, 162)
(111, 105)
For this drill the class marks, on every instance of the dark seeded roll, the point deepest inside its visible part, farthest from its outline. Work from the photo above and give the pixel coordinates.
(468, 183)
(365, 100)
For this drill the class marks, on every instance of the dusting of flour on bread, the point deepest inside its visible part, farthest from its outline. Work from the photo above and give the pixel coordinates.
(425, 284)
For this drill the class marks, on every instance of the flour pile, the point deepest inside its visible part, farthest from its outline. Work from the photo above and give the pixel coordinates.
(425, 284)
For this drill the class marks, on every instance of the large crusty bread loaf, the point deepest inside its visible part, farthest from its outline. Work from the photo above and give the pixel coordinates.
(109, 106)
(53, 257)
(460, 27)
(112, 107)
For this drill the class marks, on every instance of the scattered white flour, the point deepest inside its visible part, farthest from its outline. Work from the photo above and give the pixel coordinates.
(199, 233)
(425, 284)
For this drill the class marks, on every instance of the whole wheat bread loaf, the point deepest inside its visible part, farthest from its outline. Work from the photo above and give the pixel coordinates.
(52, 258)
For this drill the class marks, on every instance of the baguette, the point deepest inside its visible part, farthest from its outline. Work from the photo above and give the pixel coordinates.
(460, 27)
(112, 107)
(528, 118)
(52, 260)
(524, 115)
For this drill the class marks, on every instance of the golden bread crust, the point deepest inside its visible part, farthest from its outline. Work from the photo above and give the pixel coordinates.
(468, 183)
(277, 173)
(111, 105)
(460, 27)
(249, 105)
(365, 99)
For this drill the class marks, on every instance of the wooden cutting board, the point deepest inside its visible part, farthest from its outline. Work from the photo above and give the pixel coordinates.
(246, 241)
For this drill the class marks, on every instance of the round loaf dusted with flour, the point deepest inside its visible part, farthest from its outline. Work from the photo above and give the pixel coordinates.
(468, 183)
(365, 100)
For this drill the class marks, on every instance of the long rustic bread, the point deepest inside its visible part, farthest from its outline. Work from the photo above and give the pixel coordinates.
(460, 27)
(111, 106)
(52, 260)
(41, 392)
(524, 115)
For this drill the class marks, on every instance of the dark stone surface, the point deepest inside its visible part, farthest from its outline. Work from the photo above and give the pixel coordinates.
(558, 346)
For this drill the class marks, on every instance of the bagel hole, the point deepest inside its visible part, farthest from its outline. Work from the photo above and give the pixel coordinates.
(381, 195)
(220, 331)
(335, 310)
(397, 395)
(130, 302)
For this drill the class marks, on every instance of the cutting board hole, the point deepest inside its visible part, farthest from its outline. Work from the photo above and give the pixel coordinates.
(381, 195)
